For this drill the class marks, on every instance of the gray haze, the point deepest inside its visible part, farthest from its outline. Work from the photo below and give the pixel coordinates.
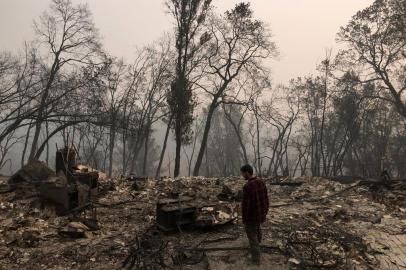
(303, 29)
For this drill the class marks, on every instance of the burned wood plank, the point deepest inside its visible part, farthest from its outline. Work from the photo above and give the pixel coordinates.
(171, 213)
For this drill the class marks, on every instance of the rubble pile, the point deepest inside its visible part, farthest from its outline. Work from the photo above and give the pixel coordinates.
(194, 223)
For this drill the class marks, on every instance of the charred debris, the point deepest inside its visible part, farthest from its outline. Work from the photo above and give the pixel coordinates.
(73, 217)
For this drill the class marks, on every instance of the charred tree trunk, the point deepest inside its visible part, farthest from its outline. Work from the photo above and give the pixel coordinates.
(47, 143)
(146, 148)
(178, 140)
(161, 158)
(258, 145)
(27, 137)
(239, 137)
(111, 146)
(203, 145)
(44, 144)
(42, 107)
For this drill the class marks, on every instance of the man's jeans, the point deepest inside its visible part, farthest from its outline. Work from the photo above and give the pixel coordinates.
(254, 237)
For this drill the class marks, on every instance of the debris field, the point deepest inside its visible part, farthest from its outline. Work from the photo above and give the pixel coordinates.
(194, 223)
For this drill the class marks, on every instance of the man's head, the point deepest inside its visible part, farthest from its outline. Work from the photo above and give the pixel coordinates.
(247, 171)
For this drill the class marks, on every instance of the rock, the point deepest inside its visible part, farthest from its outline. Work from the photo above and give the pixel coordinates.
(79, 226)
(71, 232)
(294, 261)
(4, 252)
(223, 215)
(30, 237)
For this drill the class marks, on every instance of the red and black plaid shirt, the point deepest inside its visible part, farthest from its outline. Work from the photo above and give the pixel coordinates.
(255, 202)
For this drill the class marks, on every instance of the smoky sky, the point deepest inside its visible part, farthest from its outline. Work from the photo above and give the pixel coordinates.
(302, 29)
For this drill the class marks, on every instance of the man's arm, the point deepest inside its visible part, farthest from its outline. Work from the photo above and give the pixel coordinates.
(266, 198)
(245, 204)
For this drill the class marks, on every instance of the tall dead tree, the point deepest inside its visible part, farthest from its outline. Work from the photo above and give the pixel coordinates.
(280, 112)
(20, 81)
(67, 33)
(238, 44)
(110, 82)
(376, 40)
(159, 76)
(189, 16)
(235, 117)
(131, 114)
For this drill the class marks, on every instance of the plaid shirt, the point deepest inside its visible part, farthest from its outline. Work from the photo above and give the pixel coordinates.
(255, 202)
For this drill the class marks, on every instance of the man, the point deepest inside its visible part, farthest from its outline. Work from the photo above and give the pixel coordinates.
(255, 206)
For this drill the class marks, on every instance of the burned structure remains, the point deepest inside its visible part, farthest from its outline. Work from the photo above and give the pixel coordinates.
(194, 222)
(71, 186)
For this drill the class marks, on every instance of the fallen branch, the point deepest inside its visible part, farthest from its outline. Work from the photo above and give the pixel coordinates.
(317, 199)
(120, 203)
(263, 248)
(292, 184)
(335, 194)
(284, 204)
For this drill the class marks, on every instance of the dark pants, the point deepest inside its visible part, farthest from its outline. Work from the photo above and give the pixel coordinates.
(254, 236)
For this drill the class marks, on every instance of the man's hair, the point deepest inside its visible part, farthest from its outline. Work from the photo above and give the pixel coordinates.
(247, 168)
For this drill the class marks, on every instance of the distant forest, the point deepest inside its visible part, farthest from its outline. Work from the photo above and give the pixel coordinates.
(207, 88)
